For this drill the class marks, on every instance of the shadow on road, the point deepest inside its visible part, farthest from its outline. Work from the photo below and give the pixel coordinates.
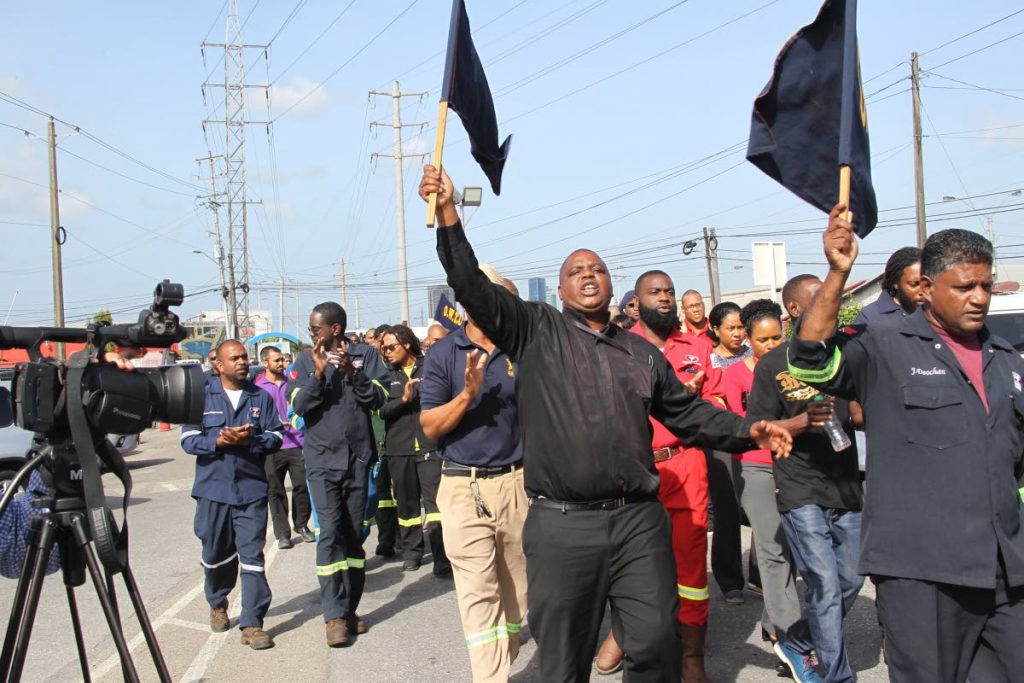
(308, 606)
(139, 464)
(424, 588)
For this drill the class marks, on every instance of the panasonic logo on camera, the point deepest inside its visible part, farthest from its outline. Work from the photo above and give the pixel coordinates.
(125, 413)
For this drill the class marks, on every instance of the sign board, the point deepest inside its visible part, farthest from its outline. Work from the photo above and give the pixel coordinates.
(769, 257)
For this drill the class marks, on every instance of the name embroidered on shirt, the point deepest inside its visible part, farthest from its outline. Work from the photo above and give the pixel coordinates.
(927, 373)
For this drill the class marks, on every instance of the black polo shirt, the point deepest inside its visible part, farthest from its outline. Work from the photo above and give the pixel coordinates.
(814, 473)
(941, 502)
(488, 434)
(584, 396)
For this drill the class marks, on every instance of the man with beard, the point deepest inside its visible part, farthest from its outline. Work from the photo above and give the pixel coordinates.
(595, 531)
(682, 471)
(901, 290)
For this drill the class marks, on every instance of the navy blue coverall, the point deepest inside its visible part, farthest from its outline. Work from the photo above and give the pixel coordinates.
(231, 495)
(338, 451)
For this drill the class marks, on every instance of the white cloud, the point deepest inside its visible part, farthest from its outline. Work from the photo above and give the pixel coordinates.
(302, 94)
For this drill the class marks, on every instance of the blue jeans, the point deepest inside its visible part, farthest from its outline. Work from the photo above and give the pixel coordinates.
(825, 543)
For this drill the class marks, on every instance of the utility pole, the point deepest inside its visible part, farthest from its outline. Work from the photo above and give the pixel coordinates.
(56, 239)
(403, 274)
(280, 306)
(230, 323)
(235, 191)
(915, 89)
(359, 324)
(711, 257)
(344, 288)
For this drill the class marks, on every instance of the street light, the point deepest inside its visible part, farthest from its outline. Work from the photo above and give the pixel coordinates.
(219, 262)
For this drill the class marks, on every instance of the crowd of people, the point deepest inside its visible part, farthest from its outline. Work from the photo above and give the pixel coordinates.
(558, 465)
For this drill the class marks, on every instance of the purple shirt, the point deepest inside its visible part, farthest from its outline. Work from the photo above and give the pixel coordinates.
(292, 436)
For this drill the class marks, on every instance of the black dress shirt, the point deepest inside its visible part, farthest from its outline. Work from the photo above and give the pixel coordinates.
(584, 396)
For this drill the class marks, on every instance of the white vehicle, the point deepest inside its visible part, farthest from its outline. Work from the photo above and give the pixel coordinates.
(1006, 318)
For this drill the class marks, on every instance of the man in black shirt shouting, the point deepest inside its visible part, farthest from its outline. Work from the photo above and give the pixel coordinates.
(595, 531)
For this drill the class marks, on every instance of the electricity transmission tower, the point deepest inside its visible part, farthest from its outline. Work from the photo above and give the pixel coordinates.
(234, 193)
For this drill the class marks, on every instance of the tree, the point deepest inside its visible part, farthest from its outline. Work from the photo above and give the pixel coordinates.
(103, 316)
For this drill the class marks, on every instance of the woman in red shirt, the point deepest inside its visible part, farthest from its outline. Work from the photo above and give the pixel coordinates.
(755, 485)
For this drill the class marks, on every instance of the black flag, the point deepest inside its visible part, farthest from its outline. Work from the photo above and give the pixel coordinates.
(811, 119)
(466, 91)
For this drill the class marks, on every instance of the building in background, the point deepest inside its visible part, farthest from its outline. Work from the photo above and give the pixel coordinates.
(538, 290)
(551, 296)
(434, 293)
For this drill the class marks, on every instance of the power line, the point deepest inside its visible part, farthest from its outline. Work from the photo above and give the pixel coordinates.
(10, 99)
(976, 87)
(970, 33)
(314, 42)
(347, 61)
(980, 49)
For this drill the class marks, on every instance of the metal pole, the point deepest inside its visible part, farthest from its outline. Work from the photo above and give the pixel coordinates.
(403, 273)
(280, 306)
(56, 239)
(344, 288)
(915, 89)
(711, 258)
(359, 324)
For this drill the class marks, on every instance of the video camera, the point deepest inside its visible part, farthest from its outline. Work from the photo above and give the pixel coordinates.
(46, 391)
(116, 401)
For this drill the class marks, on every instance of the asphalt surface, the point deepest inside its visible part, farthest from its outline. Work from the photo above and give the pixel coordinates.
(415, 634)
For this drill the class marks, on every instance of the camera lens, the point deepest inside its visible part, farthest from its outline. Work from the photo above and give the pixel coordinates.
(180, 392)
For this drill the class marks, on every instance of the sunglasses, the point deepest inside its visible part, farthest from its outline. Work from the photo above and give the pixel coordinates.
(389, 348)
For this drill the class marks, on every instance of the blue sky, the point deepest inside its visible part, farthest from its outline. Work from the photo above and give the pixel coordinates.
(628, 139)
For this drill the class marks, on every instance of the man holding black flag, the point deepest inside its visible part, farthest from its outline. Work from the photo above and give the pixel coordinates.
(595, 532)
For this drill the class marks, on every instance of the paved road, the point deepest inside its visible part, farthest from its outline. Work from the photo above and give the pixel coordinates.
(414, 635)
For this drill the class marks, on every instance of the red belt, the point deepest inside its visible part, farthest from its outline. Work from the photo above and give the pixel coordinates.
(661, 454)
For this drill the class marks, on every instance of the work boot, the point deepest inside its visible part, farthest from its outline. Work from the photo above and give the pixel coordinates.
(337, 633)
(307, 535)
(219, 617)
(693, 653)
(356, 625)
(257, 638)
(284, 542)
(609, 656)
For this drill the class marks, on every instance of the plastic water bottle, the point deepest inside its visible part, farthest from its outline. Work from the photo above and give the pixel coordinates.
(836, 433)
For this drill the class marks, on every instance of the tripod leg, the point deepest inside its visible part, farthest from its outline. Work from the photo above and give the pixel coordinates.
(13, 664)
(147, 627)
(17, 607)
(112, 593)
(116, 631)
(76, 626)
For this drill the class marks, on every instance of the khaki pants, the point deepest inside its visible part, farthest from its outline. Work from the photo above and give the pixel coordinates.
(489, 566)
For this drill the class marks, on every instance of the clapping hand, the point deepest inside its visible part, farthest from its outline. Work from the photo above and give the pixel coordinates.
(474, 378)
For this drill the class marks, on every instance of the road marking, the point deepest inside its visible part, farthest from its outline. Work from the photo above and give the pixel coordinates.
(194, 625)
(169, 616)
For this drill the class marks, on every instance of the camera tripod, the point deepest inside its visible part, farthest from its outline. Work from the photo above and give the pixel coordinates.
(66, 527)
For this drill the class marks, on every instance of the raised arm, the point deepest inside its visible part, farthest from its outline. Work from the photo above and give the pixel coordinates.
(818, 322)
(506, 320)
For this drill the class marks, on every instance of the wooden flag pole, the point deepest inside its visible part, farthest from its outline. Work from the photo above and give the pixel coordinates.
(844, 189)
(442, 120)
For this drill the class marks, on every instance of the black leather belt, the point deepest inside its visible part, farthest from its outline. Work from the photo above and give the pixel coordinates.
(610, 504)
(454, 469)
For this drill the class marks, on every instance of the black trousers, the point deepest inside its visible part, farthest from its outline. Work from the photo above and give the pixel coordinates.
(415, 479)
(578, 561)
(340, 501)
(386, 515)
(287, 462)
(726, 549)
(933, 630)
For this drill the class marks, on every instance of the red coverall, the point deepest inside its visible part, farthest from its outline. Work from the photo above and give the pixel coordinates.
(684, 479)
